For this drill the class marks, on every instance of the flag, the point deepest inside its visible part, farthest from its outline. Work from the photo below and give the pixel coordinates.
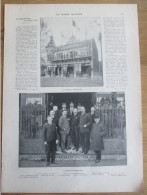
(62, 35)
(99, 36)
(85, 32)
(42, 24)
(75, 25)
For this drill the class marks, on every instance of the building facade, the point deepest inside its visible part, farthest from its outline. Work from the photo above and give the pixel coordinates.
(75, 59)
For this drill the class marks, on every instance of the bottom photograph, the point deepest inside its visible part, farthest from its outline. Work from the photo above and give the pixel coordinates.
(72, 129)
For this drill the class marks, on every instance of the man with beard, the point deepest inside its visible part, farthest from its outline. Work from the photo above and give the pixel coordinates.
(75, 129)
(92, 114)
(84, 127)
(49, 138)
(70, 110)
(56, 120)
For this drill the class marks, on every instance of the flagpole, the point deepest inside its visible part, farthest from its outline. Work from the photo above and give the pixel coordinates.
(61, 39)
(85, 33)
(72, 27)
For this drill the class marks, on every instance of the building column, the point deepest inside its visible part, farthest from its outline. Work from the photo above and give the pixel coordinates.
(65, 70)
(54, 71)
(79, 68)
(58, 70)
(61, 71)
(74, 69)
(91, 61)
(92, 73)
(91, 65)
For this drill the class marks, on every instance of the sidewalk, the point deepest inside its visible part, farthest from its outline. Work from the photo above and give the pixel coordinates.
(70, 82)
(73, 163)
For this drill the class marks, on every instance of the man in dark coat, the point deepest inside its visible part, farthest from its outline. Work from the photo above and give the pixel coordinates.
(75, 129)
(49, 138)
(56, 120)
(69, 115)
(55, 117)
(92, 114)
(70, 111)
(63, 108)
(64, 131)
(79, 109)
(96, 136)
(84, 127)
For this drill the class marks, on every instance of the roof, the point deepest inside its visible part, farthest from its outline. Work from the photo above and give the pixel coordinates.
(74, 45)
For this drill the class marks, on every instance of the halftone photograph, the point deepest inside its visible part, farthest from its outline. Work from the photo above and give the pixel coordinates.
(72, 129)
(71, 52)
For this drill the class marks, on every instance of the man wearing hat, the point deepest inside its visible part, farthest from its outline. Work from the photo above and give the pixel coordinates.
(96, 137)
(84, 127)
(50, 140)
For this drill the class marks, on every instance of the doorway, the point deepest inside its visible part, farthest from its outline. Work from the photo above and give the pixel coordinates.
(86, 70)
(70, 71)
(85, 99)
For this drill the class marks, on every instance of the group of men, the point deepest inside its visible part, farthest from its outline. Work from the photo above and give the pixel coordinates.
(67, 127)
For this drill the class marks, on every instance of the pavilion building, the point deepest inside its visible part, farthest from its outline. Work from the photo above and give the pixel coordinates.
(76, 58)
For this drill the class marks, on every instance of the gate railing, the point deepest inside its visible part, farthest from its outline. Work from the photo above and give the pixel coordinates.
(31, 122)
(114, 122)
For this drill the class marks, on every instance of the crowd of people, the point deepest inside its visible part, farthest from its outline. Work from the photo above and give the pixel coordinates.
(71, 128)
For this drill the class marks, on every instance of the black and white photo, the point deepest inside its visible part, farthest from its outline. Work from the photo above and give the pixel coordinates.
(71, 52)
(72, 129)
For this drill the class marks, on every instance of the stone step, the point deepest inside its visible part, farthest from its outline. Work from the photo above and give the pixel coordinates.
(41, 157)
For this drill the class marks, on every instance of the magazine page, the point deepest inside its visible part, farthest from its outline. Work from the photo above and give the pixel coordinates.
(72, 99)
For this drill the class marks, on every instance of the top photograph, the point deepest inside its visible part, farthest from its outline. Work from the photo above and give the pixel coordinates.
(71, 52)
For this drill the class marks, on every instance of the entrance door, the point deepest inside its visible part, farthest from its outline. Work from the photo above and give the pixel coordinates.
(58, 71)
(85, 99)
(70, 71)
(86, 69)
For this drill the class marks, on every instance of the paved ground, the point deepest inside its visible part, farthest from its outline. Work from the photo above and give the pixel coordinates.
(32, 154)
(71, 82)
(73, 163)
(36, 146)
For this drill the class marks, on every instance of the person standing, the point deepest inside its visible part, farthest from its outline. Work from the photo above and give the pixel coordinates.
(84, 127)
(56, 120)
(69, 115)
(75, 129)
(92, 114)
(64, 131)
(63, 108)
(79, 109)
(53, 114)
(49, 138)
(70, 110)
(96, 138)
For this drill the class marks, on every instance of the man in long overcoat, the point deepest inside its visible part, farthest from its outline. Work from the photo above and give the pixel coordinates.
(97, 133)
(49, 138)
(74, 124)
(84, 127)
